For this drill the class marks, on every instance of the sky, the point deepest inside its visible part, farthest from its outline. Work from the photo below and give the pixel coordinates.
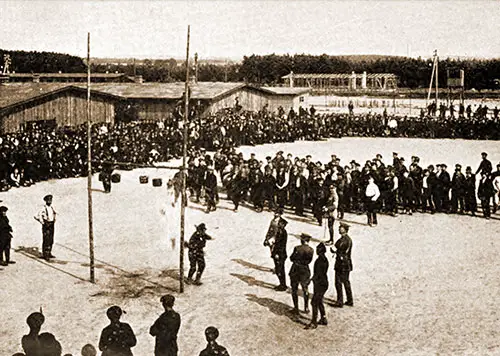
(232, 29)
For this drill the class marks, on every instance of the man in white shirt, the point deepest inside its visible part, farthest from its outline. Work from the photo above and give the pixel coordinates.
(47, 217)
(372, 194)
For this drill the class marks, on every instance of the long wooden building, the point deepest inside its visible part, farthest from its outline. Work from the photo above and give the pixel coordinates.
(64, 104)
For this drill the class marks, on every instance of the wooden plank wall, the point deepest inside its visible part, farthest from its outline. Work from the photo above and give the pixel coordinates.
(154, 110)
(67, 108)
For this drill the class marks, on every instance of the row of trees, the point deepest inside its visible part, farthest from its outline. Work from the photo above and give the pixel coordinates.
(42, 62)
(268, 69)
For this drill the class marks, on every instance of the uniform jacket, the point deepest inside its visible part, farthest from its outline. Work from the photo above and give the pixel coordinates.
(320, 274)
(301, 257)
(165, 330)
(117, 339)
(343, 260)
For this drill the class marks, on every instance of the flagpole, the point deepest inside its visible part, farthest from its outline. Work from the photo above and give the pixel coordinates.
(184, 173)
(89, 168)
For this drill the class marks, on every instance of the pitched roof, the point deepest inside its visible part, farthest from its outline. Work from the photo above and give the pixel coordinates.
(65, 75)
(200, 90)
(283, 90)
(11, 94)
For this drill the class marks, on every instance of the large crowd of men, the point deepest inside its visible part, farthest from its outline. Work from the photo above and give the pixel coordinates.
(41, 153)
(321, 188)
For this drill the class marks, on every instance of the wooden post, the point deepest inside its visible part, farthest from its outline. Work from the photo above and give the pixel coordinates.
(437, 93)
(184, 173)
(432, 79)
(89, 168)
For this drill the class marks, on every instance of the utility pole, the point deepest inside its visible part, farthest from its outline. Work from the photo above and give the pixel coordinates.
(89, 168)
(184, 173)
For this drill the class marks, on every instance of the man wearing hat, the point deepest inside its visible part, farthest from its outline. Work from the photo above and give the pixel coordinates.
(299, 273)
(343, 266)
(213, 348)
(47, 217)
(276, 239)
(166, 327)
(485, 165)
(458, 190)
(196, 255)
(117, 338)
(470, 191)
(445, 183)
(5, 237)
(210, 186)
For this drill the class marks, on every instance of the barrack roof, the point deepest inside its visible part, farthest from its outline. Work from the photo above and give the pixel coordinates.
(337, 75)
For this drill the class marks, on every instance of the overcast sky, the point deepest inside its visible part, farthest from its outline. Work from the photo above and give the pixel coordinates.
(157, 29)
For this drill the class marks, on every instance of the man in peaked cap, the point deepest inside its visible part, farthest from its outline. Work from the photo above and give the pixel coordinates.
(31, 341)
(299, 273)
(5, 237)
(196, 254)
(343, 266)
(458, 190)
(485, 165)
(166, 327)
(47, 217)
(117, 338)
(276, 239)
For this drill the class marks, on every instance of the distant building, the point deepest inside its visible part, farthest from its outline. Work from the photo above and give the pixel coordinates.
(64, 104)
(322, 83)
(64, 77)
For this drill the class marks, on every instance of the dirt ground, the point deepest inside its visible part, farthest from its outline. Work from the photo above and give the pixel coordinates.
(422, 284)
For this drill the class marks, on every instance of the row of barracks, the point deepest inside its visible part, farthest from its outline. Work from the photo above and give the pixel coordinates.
(65, 104)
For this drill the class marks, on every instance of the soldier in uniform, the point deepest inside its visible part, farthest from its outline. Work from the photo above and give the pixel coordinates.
(107, 171)
(458, 190)
(117, 338)
(165, 328)
(276, 239)
(299, 273)
(485, 165)
(470, 191)
(485, 192)
(47, 217)
(331, 205)
(213, 348)
(320, 281)
(5, 237)
(196, 255)
(343, 267)
(210, 186)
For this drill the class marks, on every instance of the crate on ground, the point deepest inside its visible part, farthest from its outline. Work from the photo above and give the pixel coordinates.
(116, 178)
(157, 182)
(143, 179)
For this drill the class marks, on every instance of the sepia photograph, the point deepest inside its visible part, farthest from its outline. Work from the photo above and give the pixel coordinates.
(237, 177)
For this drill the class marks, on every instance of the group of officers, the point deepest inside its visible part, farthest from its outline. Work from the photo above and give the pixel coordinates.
(300, 273)
(118, 338)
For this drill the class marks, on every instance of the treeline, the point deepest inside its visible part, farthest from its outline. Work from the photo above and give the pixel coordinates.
(269, 69)
(42, 62)
(411, 72)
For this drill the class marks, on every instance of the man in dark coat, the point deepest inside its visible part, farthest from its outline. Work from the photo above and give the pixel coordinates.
(276, 239)
(485, 165)
(105, 175)
(117, 338)
(343, 267)
(5, 237)
(445, 179)
(485, 192)
(299, 273)
(213, 348)
(31, 342)
(320, 281)
(165, 328)
(210, 185)
(470, 191)
(196, 255)
(458, 190)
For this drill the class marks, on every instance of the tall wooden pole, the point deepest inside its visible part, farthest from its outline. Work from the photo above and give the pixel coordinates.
(432, 78)
(89, 168)
(184, 173)
(437, 93)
